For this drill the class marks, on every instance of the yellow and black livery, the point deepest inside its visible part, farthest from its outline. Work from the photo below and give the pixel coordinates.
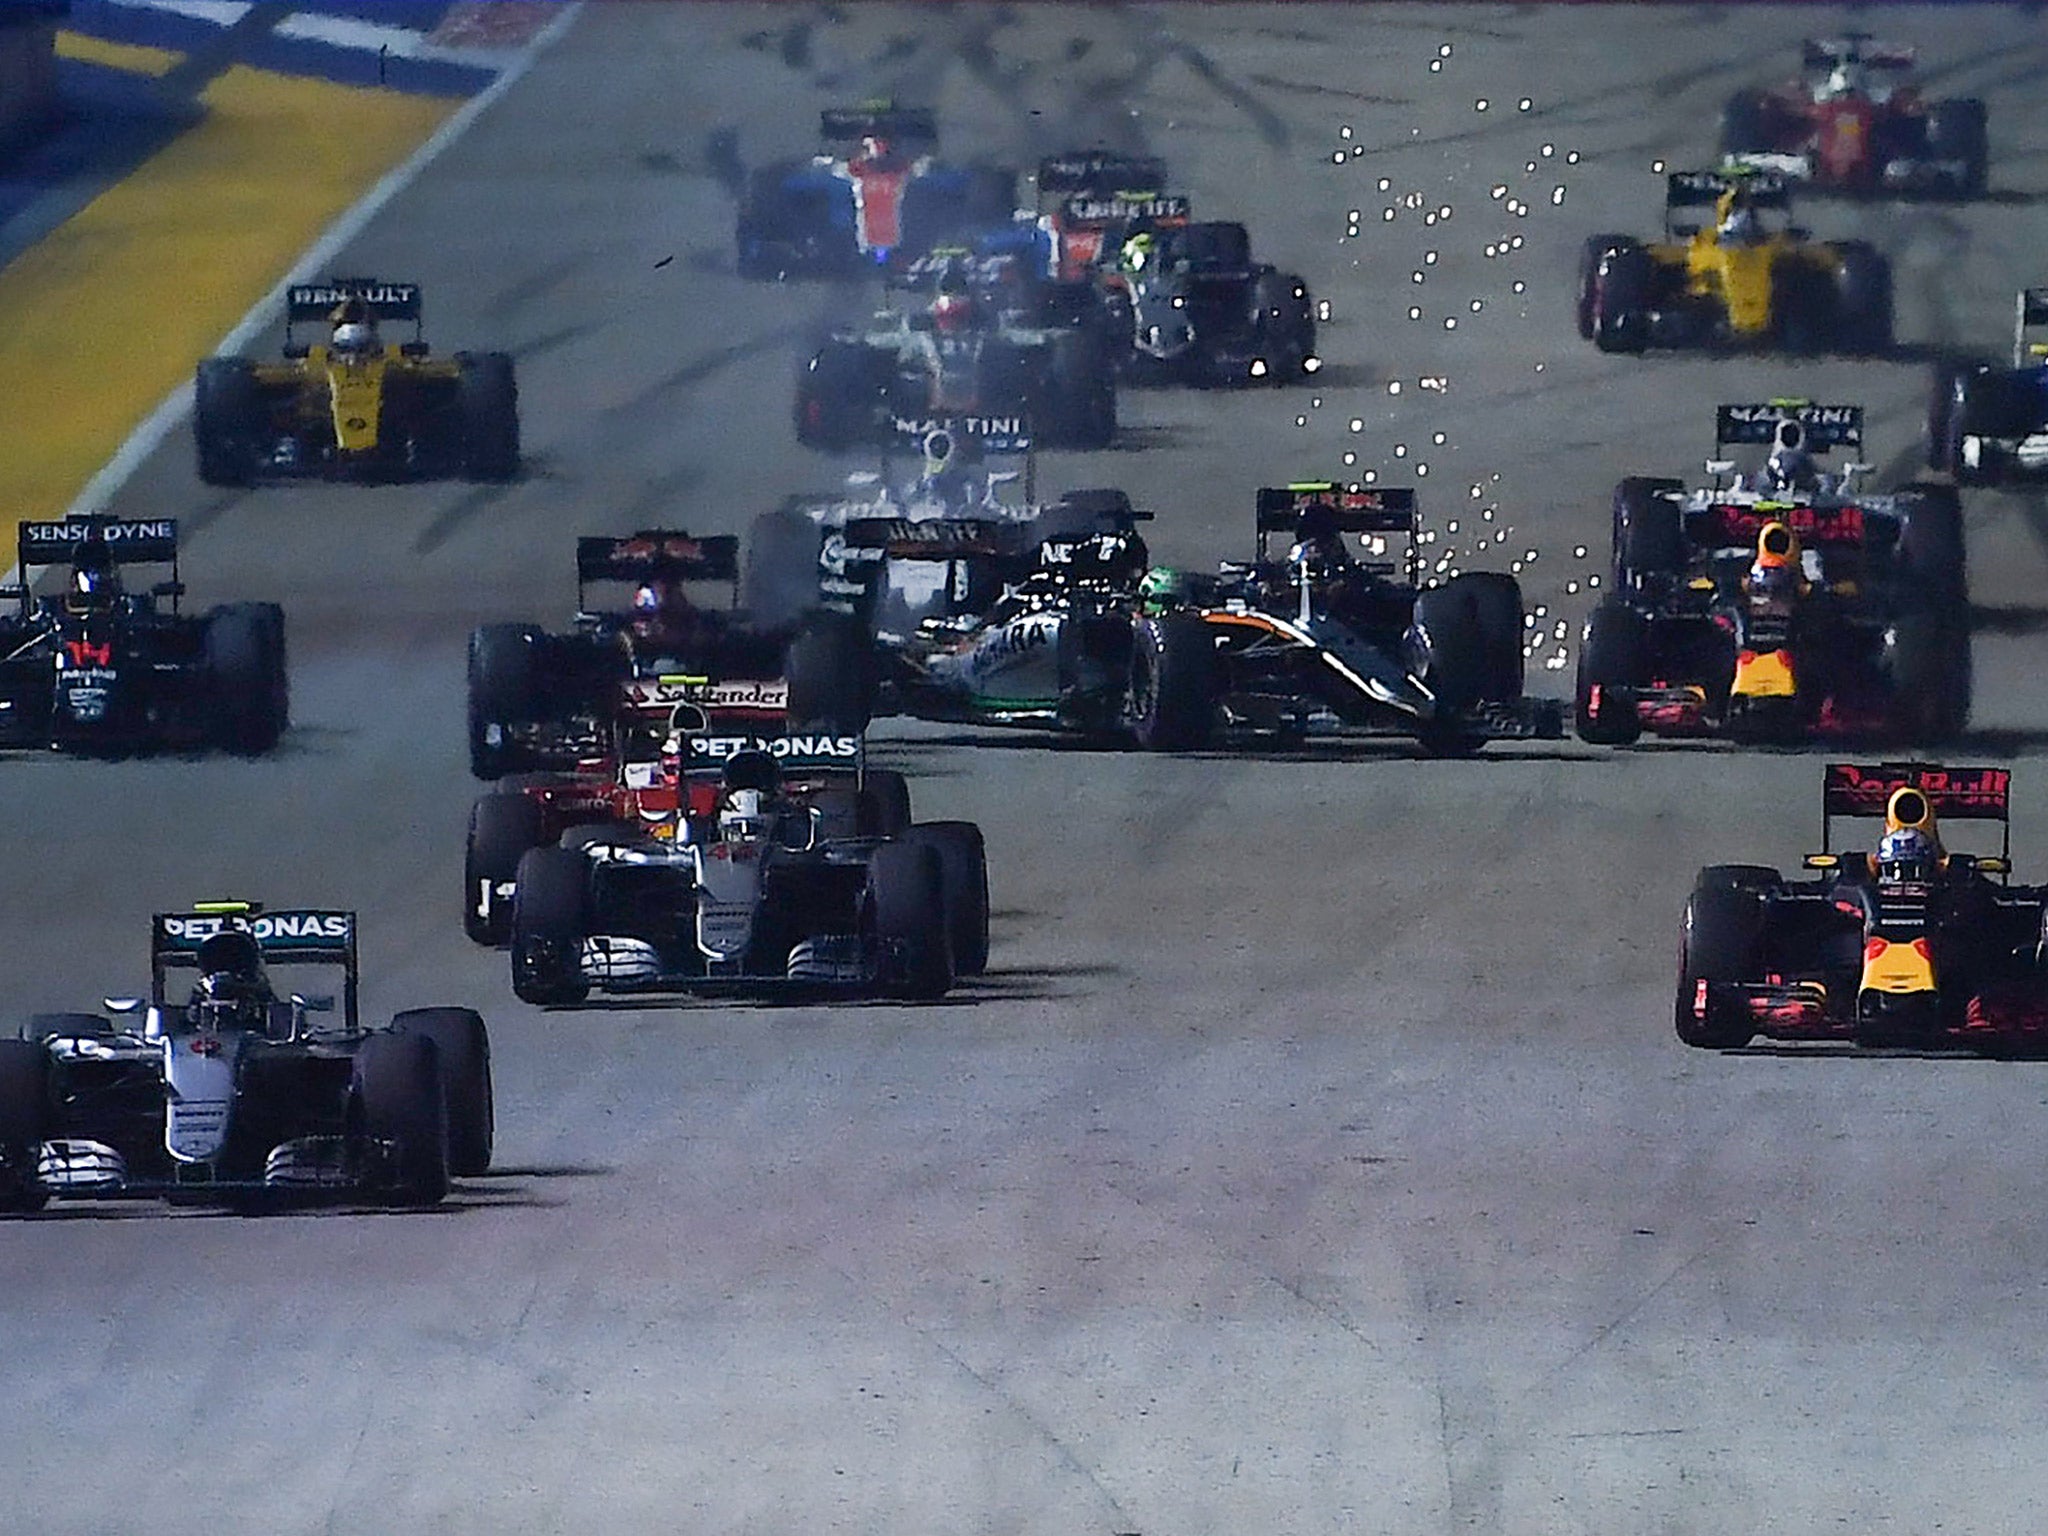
(354, 404)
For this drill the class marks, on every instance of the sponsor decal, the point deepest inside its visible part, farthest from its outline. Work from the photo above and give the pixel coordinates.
(85, 654)
(162, 530)
(1740, 524)
(1021, 636)
(328, 295)
(274, 926)
(1852, 789)
(1085, 209)
(733, 693)
(1812, 415)
(719, 748)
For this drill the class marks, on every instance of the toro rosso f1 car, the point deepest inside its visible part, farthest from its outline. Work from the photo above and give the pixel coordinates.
(232, 1089)
(356, 406)
(1782, 605)
(1911, 944)
(1853, 123)
(102, 669)
(1988, 425)
(1734, 280)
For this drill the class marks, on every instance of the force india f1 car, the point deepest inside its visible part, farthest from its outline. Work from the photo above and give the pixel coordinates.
(1732, 281)
(1194, 307)
(1988, 425)
(539, 700)
(783, 884)
(837, 213)
(101, 669)
(356, 406)
(236, 1091)
(1913, 945)
(1851, 123)
(1784, 605)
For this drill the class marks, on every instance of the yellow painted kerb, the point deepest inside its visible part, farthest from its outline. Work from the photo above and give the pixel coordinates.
(129, 58)
(110, 312)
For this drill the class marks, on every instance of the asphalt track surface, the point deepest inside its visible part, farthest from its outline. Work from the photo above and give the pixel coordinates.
(1317, 1155)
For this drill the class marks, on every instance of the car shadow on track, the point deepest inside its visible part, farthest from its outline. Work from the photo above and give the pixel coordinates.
(466, 1197)
(1004, 984)
(1365, 749)
(1848, 1050)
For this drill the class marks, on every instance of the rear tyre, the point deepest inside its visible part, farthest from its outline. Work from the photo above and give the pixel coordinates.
(24, 1123)
(487, 399)
(830, 666)
(400, 1101)
(888, 796)
(780, 582)
(501, 828)
(1720, 946)
(227, 420)
(1931, 677)
(550, 911)
(1745, 124)
(1079, 410)
(1591, 254)
(1283, 325)
(1802, 309)
(963, 871)
(1649, 531)
(1958, 130)
(249, 688)
(504, 690)
(1613, 664)
(464, 1048)
(839, 397)
(1175, 681)
(907, 902)
(1862, 300)
(1930, 549)
(1623, 286)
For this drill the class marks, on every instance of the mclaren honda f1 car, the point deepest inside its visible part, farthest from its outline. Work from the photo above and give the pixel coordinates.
(764, 879)
(1852, 122)
(1325, 642)
(103, 669)
(547, 700)
(232, 1089)
(875, 195)
(1744, 278)
(356, 406)
(1909, 945)
(1780, 605)
(1988, 425)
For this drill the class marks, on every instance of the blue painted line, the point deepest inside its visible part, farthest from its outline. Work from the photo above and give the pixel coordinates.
(140, 24)
(113, 121)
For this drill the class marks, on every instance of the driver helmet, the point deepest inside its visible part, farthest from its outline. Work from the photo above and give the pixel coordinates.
(233, 991)
(1318, 541)
(1845, 79)
(1775, 576)
(876, 147)
(1907, 853)
(660, 607)
(1791, 467)
(95, 579)
(1163, 587)
(354, 338)
(1739, 222)
(1137, 252)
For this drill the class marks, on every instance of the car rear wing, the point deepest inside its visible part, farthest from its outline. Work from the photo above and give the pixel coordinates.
(657, 554)
(937, 538)
(295, 936)
(880, 120)
(1818, 54)
(1727, 525)
(709, 703)
(1822, 427)
(139, 541)
(806, 756)
(1863, 791)
(1125, 207)
(1685, 190)
(1367, 509)
(2030, 313)
(380, 301)
(1097, 171)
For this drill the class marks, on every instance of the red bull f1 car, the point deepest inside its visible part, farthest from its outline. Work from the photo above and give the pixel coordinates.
(1782, 605)
(1912, 944)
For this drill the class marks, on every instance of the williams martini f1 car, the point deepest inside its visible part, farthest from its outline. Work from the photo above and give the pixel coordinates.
(1988, 425)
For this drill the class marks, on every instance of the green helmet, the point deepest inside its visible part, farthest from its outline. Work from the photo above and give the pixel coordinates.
(1162, 587)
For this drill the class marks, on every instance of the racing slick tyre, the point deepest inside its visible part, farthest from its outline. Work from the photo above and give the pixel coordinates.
(1930, 548)
(842, 814)
(907, 905)
(1283, 325)
(1748, 877)
(550, 910)
(1470, 643)
(1802, 309)
(1175, 681)
(400, 1101)
(1623, 285)
(830, 666)
(1613, 664)
(963, 871)
(487, 404)
(227, 420)
(1957, 130)
(1496, 603)
(464, 1047)
(1590, 256)
(1944, 439)
(501, 828)
(1649, 531)
(1746, 125)
(1931, 677)
(779, 583)
(887, 794)
(1723, 928)
(504, 690)
(1079, 409)
(24, 1122)
(1862, 299)
(839, 396)
(247, 684)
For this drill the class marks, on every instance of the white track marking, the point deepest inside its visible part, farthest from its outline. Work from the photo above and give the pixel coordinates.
(374, 37)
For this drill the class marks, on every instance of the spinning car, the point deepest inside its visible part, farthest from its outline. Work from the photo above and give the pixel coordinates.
(1782, 605)
(1194, 307)
(1909, 945)
(1851, 123)
(356, 406)
(102, 669)
(838, 213)
(1988, 425)
(235, 1089)
(1734, 281)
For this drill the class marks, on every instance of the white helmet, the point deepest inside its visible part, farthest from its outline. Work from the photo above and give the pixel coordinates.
(354, 336)
(745, 817)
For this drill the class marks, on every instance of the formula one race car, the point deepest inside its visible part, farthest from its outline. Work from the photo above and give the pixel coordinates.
(768, 876)
(1734, 281)
(234, 1090)
(356, 406)
(1195, 308)
(101, 669)
(836, 213)
(1781, 605)
(540, 700)
(1988, 425)
(1091, 201)
(1850, 123)
(1910, 945)
(962, 352)
(1325, 642)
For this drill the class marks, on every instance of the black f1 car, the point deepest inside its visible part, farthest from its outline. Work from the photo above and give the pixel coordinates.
(356, 406)
(1782, 605)
(102, 669)
(780, 880)
(1988, 425)
(235, 1089)
(540, 700)
(1910, 945)
(1194, 307)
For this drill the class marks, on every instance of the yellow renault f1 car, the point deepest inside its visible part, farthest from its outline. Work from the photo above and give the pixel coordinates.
(1746, 278)
(356, 406)
(1910, 944)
